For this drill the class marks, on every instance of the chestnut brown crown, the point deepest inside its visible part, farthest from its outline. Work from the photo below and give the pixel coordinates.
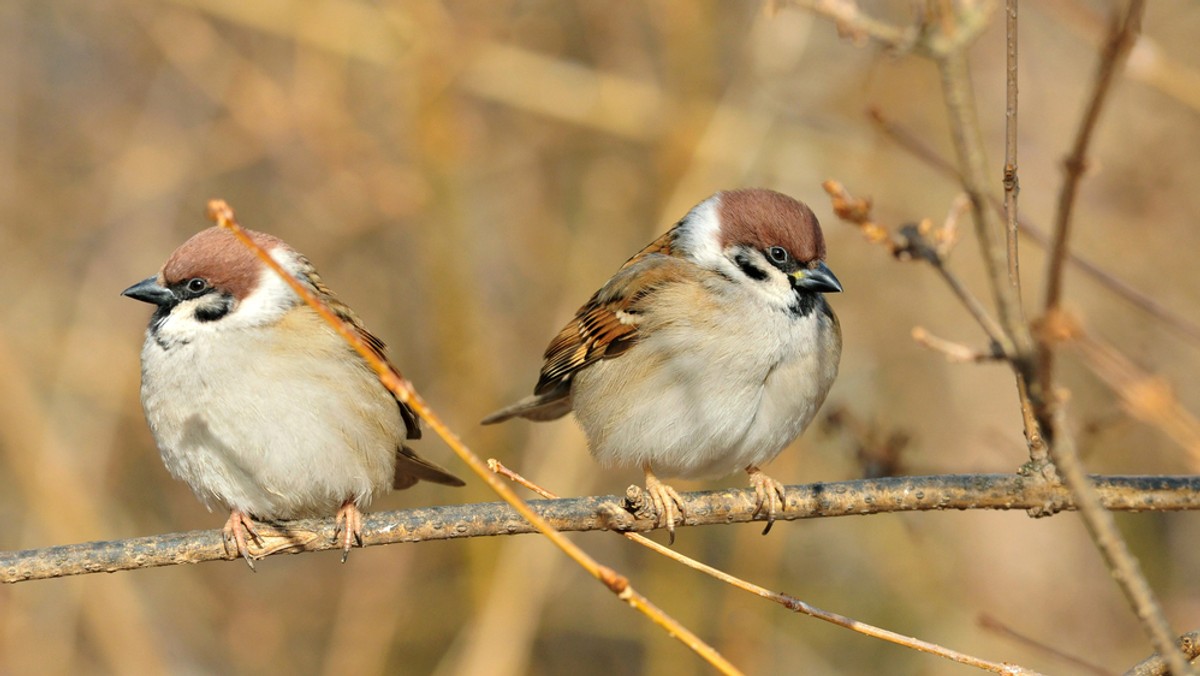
(760, 218)
(216, 256)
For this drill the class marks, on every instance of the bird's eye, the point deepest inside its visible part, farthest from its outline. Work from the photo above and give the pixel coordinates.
(197, 285)
(778, 254)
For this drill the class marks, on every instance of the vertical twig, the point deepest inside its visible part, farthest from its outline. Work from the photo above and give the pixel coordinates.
(1126, 571)
(1012, 186)
(1033, 370)
(1035, 383)
(1122, 33)
(968, 145)
(1121, 562)
(1039, 456)
(972, 163)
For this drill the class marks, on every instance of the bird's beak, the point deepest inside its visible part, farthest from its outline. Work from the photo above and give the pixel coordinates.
(150, 291)
(820, 278)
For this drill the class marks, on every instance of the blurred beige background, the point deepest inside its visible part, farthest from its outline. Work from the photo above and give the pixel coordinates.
(465, 174)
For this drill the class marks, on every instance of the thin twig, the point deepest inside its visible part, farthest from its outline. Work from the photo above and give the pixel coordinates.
(952, 492)
(921, 38)
(1012, 183)
(1154, 665)
(1124, 566)
(1035, 392)
(954, 352)
(220, 212)
(786, 600)
(1122, 33)
(956, 89)
(853, 23)
(1100, 523)
(912, 243)
(1031, 415)
(1139, 299)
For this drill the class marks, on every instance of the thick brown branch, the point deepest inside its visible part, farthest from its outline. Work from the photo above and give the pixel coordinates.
(876, 496)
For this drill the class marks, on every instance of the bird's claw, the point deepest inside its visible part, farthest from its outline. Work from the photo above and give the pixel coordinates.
(236, 529)
(769, 494)
(667, 504)
(349, 527)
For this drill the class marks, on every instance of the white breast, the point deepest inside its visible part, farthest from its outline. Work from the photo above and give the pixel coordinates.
(278, 427)
(708, 399)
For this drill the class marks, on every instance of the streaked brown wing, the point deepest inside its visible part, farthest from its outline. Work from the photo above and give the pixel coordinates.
(412, 423)
(608, 324)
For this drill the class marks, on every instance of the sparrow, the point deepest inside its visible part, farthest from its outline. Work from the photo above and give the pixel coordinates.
(706, 353)
(257, 403)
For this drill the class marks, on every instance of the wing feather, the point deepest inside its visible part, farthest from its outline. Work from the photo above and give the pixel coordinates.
(609, 324)
(412, 423)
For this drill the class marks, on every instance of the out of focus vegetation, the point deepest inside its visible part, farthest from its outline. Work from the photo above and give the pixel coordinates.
(465, 174)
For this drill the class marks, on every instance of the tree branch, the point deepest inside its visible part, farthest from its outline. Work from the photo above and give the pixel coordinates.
(1123, 31)
(876, 496)
(1154, 665)
(1122, 34)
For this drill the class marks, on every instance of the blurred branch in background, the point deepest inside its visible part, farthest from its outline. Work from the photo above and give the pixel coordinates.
(1123, 31)
(703, 508)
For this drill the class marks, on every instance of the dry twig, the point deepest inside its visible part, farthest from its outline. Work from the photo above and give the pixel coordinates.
(1155, 665)
(913, 243)
(1122, 33)
(1139, 299)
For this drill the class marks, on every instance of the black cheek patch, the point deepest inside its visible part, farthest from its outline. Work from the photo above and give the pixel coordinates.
(211, 313)
(749, 268)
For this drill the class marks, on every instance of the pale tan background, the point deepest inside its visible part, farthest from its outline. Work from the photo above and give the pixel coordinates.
(465, 175)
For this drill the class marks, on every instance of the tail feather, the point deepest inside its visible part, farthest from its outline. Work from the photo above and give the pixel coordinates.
(539, 408)
(411, 468)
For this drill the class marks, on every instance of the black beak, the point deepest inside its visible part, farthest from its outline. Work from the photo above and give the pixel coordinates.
(150, 291)
(820, 279)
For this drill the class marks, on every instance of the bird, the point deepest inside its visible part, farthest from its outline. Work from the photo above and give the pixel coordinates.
(257, 403)
(708, 351)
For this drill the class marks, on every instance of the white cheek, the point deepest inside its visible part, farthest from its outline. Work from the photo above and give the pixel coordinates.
(270, 300)
(700, 238)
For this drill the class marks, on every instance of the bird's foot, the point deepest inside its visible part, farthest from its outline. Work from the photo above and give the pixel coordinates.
(349, 527)
(769, 493)
(236, 529)
(667, 503)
